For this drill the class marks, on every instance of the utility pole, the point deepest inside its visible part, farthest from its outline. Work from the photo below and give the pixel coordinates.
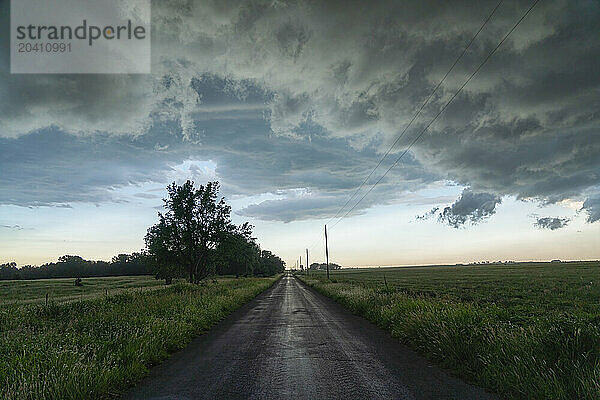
(326, 251)
(301, 263)
(307, 264)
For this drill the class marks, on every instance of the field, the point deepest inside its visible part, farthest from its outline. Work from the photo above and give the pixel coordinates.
(97, 347)
(62, 290)
(526, 331)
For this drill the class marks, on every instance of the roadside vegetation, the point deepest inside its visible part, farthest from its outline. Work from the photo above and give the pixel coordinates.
(96, 348)
(525, 331)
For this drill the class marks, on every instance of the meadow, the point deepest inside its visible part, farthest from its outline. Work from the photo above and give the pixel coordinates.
(524, 330)
(97, 346)
(62, 290)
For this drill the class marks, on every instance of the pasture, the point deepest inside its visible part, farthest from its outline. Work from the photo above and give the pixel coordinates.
(64, 289)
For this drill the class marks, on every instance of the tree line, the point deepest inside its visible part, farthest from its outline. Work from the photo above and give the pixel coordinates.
(69, 266)
(194, 238)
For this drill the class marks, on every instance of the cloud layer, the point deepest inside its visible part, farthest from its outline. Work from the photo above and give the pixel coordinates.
(305, 94)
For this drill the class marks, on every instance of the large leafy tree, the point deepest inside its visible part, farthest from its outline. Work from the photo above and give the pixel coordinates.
(187, 234)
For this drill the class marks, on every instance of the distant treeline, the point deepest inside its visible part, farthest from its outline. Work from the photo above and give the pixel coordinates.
(76, 267)
(264, 263)
(324, 266)
(259, 263)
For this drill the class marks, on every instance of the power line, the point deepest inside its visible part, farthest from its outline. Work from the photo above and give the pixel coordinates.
(416, 115)
(442, 109)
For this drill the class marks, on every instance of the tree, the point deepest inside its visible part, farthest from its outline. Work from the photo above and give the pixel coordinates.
(9, 271)
(270, 264)
(238, 254)
(187, 234)
(130, 264)
(163, 253)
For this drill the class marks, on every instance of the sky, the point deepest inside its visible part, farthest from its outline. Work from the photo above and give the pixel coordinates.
(291, 104)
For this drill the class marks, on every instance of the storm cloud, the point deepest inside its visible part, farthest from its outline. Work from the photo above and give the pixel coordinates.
(552, 223)
(470, 207)
(592, 206)
(309, 94)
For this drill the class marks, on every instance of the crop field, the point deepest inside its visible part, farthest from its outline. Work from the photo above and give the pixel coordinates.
(62, 290)
(525, 330)
(99, 346)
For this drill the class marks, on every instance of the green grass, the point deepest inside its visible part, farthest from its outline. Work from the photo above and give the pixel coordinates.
(96, 348)
(62, 290)
(526, 331)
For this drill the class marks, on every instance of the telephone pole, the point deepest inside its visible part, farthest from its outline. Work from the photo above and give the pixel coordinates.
(326, 251)
(307, 264)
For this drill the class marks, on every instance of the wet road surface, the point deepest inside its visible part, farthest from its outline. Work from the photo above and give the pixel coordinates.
(294, 343)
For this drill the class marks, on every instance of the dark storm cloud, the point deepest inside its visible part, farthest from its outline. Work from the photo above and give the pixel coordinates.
(50, 167)
(308, 94)
(592, 206)
(114, 103)
(470, 207)
(551, 223)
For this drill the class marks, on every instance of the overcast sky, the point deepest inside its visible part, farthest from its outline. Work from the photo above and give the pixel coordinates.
(291, 104)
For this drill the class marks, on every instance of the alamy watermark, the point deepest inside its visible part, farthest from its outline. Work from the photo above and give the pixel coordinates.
(80, 36)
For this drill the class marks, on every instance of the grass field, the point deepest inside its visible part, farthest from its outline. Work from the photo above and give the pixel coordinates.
(526, 331)
(97, 347)
(62, 290)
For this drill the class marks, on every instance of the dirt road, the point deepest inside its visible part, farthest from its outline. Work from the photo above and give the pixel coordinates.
(293, 343)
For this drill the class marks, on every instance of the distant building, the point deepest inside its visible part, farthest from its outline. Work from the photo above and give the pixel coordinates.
(324, 266)
(556, 261)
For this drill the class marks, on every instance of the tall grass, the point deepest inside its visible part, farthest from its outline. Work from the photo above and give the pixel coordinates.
(96, 348)
(514, 350)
